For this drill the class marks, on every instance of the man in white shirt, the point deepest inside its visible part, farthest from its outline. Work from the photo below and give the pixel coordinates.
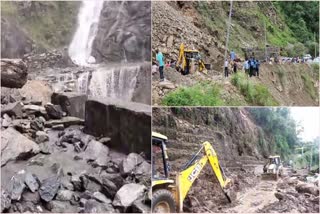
(226, 71)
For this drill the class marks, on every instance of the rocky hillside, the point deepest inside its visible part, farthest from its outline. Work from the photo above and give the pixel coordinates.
(231, 131)
(202, 25)
(242, 140)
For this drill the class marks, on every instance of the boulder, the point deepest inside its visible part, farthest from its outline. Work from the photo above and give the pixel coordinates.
(37, 91)
(130, 163)
(101, 198)
(65, 121)
(6, 121)
(37, 124)
(14, 73)
(34, 109)
(64, 195)
(41, 137)
(71, 103)
(32, 182)
(128, 124)
(16, 187)
(5, 200)
(12, 109)
(16, 146)
(96, 151)
(307, 188)
(49, 188)
(54, 111)
(127, 194)
(29, 196)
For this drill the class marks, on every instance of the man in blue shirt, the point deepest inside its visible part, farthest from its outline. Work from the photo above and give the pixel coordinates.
(232, 55)
(159, 58)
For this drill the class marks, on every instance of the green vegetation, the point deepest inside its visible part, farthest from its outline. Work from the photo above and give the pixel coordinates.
(255, 93)
(303, 20)
(201, 94)
(307, 155)
(309, 86)
(49, 24)
(277, 122)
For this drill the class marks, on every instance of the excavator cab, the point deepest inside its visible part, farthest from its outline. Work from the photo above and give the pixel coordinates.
(168, 194)
(273, 168)
(190, 61)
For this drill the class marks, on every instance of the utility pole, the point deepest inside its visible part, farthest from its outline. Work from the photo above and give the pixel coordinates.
(228, 32)
(315, 44)
(265, 40)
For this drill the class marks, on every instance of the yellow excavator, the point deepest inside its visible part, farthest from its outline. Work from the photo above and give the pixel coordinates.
(168, 194)
(189, 61)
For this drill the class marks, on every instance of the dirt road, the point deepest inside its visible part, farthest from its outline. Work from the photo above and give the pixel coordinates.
(255, 198)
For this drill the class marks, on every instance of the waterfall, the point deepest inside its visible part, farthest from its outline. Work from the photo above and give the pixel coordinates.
(116, 83)
(88, 20)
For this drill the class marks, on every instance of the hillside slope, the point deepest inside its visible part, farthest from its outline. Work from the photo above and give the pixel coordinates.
(202, 26)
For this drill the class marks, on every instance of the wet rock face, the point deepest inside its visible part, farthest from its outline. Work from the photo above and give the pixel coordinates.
(14, 42)
(127, 123)
(124, 32)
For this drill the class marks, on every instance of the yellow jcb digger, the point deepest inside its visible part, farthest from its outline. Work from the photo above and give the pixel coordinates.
(273, 168)
(189, 61)
(168, 194)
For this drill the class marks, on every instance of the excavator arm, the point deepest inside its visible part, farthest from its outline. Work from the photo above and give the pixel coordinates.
(192, 170)
(181, 62)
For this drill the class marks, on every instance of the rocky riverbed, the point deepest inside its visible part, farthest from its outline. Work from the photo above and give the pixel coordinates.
(49, 162)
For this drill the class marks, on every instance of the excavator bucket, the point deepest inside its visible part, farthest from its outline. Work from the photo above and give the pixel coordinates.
(269, 176)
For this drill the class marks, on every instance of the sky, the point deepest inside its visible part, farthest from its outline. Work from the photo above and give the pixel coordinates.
(309, 119)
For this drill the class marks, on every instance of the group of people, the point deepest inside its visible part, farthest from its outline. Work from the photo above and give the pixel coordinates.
(250, 65)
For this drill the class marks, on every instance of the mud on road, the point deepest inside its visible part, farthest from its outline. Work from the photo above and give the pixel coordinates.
(290, 193)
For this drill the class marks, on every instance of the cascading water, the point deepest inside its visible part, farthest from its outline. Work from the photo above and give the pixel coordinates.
(88, 20)
(117, 82)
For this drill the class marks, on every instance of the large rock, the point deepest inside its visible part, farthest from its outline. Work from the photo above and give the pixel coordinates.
(130, 163)
(16, 186)
(97, 151)
(128, 39)
(307, 188)
(37, 91)
(14, 73)
(127, 194)
(32, 182)
(54, 111)
(71, 103)
(16, 146)
(66, 121)
(49, 188)
(127, 123)
(5, 200)
(12, 109)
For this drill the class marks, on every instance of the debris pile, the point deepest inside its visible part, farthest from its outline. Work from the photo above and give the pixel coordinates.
(49, 164)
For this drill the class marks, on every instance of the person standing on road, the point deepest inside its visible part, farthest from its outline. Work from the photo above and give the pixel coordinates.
(226, 71)
(159, 58)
